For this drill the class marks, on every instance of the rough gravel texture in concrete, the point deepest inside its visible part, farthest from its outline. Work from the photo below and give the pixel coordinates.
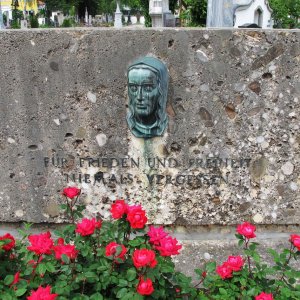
(231, 150)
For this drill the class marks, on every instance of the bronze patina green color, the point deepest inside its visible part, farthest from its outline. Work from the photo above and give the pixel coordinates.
(148, 93)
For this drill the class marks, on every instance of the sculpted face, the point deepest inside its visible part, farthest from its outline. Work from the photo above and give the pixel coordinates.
(147, 81)
(143, 94)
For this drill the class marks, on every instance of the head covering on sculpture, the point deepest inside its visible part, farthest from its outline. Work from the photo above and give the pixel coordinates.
(148, 93)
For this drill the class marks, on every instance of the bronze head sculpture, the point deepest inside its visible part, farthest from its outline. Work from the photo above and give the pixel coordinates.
(148, 92)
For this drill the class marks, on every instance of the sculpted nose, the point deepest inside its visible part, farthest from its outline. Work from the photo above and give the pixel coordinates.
(140, 93)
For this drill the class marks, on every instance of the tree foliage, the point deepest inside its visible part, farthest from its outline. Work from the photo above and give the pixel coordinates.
(286, 13)
(194, 11)
(79, 5)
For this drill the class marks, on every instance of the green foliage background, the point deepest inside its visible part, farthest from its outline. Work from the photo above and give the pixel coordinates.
(286, 13)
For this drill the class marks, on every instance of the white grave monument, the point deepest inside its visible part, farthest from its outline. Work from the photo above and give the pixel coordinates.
(86, 16)
(160, 13)
(24, 24)
(118, 17)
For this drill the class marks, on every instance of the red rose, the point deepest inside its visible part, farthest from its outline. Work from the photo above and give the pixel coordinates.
(156, 234)
(144, 257)
(9, 245)
(111, 249)
(225, 271)
(136, 216)
(168, 246)
(235, 262)
(68, 250)
(264, 296)
(41, 243)
(71, 192)
(247, 230)
(42, 294)
(145, 287)
(295, 239)
(118, 209)
(87, 226)
(60, 241)
(16, 278)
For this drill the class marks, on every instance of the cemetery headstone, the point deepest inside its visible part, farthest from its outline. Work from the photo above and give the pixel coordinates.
(118, 17)
(86, 16)
(160, 13)
(24, 24)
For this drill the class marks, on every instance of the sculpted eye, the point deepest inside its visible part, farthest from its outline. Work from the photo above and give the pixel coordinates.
(133, 87)
(148, 88)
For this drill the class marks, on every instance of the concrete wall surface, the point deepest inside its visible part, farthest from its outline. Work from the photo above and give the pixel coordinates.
(230, 153)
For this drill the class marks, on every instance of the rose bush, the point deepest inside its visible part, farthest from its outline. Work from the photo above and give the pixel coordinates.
(123, 259)
(246, 277)
(93, 259)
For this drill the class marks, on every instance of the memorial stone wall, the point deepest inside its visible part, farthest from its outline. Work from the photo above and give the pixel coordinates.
(230, 152)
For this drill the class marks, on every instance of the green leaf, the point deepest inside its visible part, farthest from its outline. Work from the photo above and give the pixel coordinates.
(222, 291)
(8, 279)
(241, 243)
(128, 296)
(274, 254)
(96, 296)
(131, 274)
(122, 283)
(137, 296)
(20, 292)
(118, 250)
(167, 269)
(252, 292)
(50, 267)
(121, 293)
(211, 266)
(137, 241)
(256, 257)
(239, 236)
(65, 258)
(90, 275)
(41, 269)
(6, 296)
(292, 281)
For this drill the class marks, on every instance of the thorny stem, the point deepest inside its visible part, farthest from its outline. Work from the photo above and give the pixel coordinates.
(35, 266)
(71, 208)
(73, 271)
(173, 286)
(284, 267)
(127, 233)
(201, 281)
(83, 285)
(98, 238)
(71, 205)
(248, 257)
